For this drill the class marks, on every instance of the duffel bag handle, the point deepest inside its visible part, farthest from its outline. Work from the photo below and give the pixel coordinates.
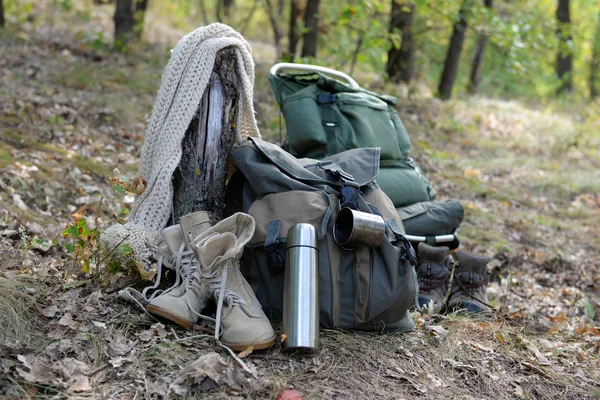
(314, 68)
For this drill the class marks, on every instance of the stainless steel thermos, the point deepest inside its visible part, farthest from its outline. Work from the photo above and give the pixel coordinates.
(301, 289)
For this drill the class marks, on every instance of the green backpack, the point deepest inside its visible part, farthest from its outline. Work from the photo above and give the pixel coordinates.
(364, 288)
(324, 117)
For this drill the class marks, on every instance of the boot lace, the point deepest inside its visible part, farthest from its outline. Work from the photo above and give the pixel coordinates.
(218, 287)
(150, 292)
(427, 282)
(471, 288)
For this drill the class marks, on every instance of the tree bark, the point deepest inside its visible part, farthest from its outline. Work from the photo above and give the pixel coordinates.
(129, 20)
(293, 29)
(595, 64)
(478, 59)
(310, 38)
(199, 182)
(2, 20)
(453, 56)
(138, 16)
(227, 6)
(564, 60)
(271, 12)
(124, 22)
(401, 62)
(203, 11)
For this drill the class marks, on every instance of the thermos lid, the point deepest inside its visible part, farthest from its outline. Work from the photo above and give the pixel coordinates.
(302, 235)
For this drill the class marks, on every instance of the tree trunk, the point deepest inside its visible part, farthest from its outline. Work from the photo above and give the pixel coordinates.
(124, 22)
(564, 60)
(595, 64)
(129, 20)
(140, 11)
(310, 38)
(199, 182)
(401, 62)
(227, 6)
(2, 21)
(478, 59)
(203, 11)
(293, 30)
(271, 12)
(453, 55)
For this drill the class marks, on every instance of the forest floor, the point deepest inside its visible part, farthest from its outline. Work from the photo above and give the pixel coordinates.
(528, 176)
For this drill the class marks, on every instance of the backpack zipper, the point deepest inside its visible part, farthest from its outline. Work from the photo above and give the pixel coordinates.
(373, 255)
(357, 290)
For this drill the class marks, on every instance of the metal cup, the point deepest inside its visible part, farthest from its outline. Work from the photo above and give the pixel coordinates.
(301, 289)
(354, 228)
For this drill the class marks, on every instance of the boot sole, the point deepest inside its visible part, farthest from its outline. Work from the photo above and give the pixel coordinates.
(171, 317)
(255, 346)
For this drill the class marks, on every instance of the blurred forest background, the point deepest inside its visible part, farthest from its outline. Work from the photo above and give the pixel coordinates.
(532, 48)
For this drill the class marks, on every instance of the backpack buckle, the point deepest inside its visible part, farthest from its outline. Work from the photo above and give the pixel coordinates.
(275, 260)
(326, 98)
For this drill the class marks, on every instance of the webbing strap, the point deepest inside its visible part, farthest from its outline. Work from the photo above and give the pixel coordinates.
(430, 240)
(327, 215)
(326, 102)
(391, 223)
(274, 258)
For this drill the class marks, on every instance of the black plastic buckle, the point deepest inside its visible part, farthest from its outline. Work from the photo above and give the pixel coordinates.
(326, 98)
(275, 260)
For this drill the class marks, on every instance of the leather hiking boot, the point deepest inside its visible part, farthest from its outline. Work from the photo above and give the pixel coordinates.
(193, 225)
(469, 286)
(434, 270)
(183, 302)
(239, 314)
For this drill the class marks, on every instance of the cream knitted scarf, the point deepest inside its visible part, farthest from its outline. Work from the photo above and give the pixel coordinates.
(185, 78)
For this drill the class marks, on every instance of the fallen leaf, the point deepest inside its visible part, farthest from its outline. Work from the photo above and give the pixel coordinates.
(289, 395)
(559, 319)
(502, 336)
(518, 391)
(471, 173)
(146, 335)
(50, 312)
(283, 337)
(67, 320)
(208, 372)
(587, 329)
(81, 384)
(437, 330)
(99, 324)
(160, 330)
(246, 352)
(119, 346)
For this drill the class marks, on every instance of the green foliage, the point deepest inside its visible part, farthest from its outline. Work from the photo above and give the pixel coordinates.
(85, 243)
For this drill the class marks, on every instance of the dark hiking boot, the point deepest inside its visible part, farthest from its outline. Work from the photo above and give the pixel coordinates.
(433, 269)
(469, 286)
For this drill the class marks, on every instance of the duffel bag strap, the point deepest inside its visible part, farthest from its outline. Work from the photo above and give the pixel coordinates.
(326, 102)
(275, 259)
(393, 226)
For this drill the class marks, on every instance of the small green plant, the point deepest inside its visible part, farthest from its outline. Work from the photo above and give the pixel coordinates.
(54, 120)
(86, 247)
(122, 185)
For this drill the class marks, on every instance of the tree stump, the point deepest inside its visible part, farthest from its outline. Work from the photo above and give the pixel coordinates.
(199, 182)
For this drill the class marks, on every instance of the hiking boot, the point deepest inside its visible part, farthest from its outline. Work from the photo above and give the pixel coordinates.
(239, 313)
(182, 302)
(192, 225)
(469, 286)
(433, 270)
